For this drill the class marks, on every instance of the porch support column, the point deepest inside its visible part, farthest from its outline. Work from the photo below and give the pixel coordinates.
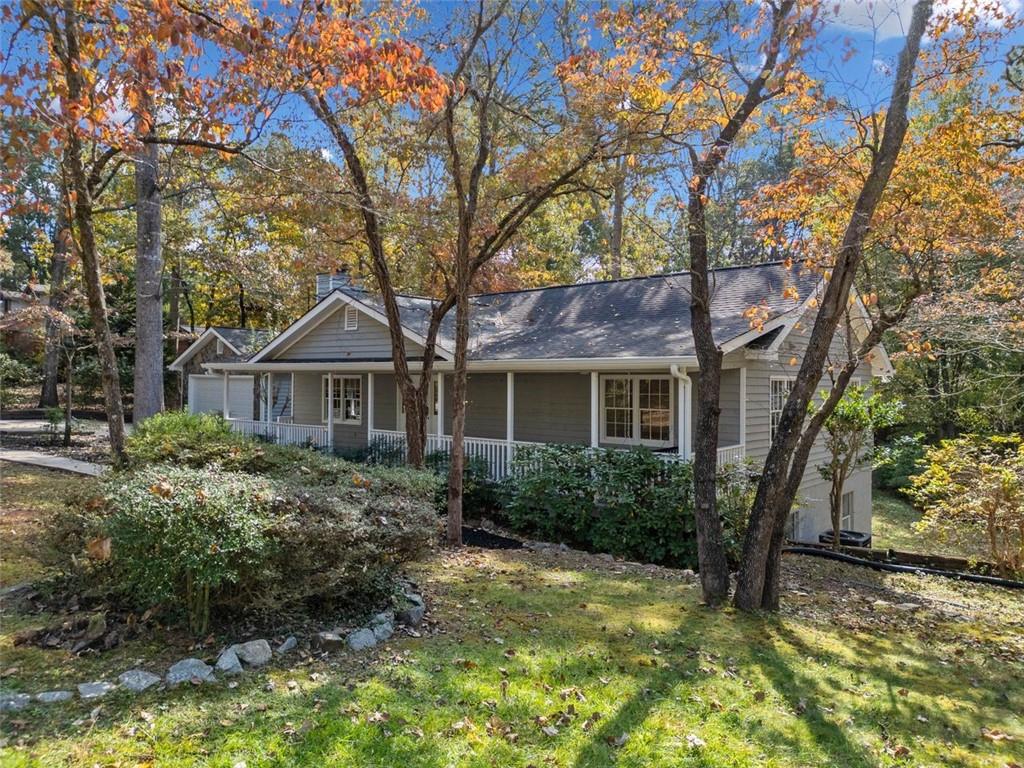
(688, 433)
(224, 409)
(682, 398)
(440, 404)
(510, 420)
(595, 412)
(369, 405)
(743, 409)
(268, 397)
(330, 412)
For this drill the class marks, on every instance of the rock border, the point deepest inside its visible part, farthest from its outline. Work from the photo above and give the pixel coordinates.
(237, 657)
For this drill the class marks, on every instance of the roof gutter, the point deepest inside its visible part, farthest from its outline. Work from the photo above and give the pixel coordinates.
(540, 365)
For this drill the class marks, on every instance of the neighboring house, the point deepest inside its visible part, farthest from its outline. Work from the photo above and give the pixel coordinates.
(27, 334)
(203, 392)
(608, 364)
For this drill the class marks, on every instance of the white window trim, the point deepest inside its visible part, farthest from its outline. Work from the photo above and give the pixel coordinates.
(846, 518)
(339, 386)
(634, 380)
(351, 318)
(771, 410)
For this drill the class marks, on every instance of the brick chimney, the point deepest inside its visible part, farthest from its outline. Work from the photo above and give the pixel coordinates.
(327, 282)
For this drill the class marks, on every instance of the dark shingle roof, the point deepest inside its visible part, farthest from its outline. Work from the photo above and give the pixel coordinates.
(633, 317)
(246, 340)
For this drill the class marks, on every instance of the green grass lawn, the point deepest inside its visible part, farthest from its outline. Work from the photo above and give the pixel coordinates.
(542, 659)
(892, 523)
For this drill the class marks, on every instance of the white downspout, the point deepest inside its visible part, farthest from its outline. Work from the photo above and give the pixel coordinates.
(683, 417)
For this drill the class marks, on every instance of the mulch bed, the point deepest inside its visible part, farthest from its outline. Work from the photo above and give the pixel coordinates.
(478, 537)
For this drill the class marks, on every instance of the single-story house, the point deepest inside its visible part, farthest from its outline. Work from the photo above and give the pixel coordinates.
(237, 396)
(605, 363)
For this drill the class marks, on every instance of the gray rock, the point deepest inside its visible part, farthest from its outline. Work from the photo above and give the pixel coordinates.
(138, 680)
(362, 639)
(95, 690)
(52, 697)
(287, 645)
(228, 663)
(255, 653)
(414, 598)
(187, 670)
(382, 631)
(328, 641)
(411, 616)
(10, 702)
(384, 617)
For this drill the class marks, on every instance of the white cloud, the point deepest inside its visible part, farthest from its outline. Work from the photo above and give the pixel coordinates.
(886, 19)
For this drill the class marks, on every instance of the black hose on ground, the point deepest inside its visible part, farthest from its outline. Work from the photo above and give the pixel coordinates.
(974, 578)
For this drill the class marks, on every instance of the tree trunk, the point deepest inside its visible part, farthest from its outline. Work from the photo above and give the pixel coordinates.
(758, 586)
(86, 240)
(712, 563)
(68, 401)
(618, 209)
(149, 317)
(58, 297)
(242, 318)
(458, 453)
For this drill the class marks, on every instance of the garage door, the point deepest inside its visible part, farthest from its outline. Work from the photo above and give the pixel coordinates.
(206, 395)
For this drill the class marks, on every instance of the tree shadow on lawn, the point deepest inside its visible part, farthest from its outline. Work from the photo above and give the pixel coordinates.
(665, 660)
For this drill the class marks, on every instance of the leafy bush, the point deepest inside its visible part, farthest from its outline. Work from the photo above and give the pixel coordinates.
(898, 460)
(629, 503)
(227, 527)
(972, 492)
(189, 439)
(181, 536)
(15, 373)
(480, 495)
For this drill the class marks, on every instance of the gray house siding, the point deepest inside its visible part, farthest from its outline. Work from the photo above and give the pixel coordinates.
(813, 504)
(330, 341)
(552, 408)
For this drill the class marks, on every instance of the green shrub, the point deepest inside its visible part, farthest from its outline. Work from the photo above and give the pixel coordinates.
(898, 460)
(189, 439)
(16, 373)
(228, 527)
(627, 502)
(181, 537)
(480, 495)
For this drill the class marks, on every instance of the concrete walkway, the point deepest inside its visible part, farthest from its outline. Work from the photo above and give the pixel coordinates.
(49, 461)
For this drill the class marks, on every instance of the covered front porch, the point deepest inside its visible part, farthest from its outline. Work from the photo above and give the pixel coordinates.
(349, 411)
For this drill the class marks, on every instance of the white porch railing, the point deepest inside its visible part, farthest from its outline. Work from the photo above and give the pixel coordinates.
(310, 435)
(499, 453)
(730, 454)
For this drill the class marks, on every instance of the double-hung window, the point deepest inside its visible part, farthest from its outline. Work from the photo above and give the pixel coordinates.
(348, 399)
(637, 410)
(781, 387)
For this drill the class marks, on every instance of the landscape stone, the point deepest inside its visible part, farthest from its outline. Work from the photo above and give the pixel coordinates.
(328, 641)
(190, 669)
(384, 617)
(362, 639)
(51, 697)
(95, 690)
(412, 615)
(382, 631)
(13, 701)
(287, 645)
(138, 680)
(228, 663)
(255, 653)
